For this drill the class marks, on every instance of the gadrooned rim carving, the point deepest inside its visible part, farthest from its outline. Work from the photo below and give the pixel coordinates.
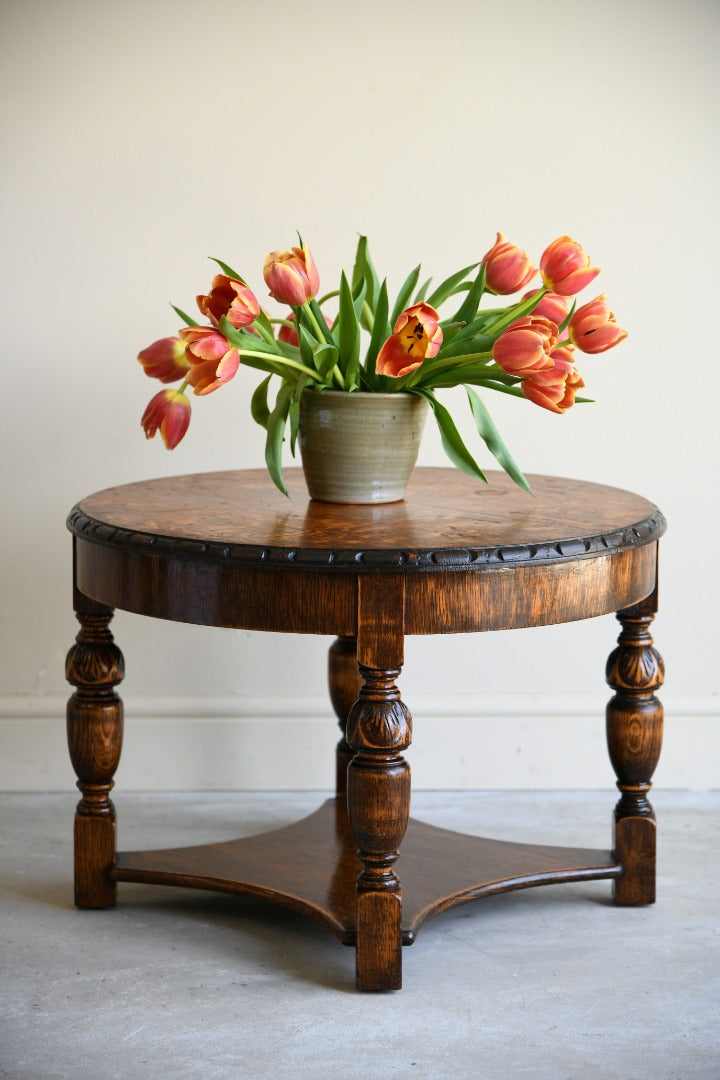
(357, 559)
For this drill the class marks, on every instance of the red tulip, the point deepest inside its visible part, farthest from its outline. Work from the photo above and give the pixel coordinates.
(291, 276)
(165, 360)
(552, 306)
(169, 413)
(213, 361)
(230, 298)
(565, 267)
(554, 388)
(526, 346)
(416, 336)
(593, 328)
(507, 268)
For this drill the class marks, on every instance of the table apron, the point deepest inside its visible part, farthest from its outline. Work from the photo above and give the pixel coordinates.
(294, 600)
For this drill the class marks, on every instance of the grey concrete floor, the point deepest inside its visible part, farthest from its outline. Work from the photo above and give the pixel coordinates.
(548, 983)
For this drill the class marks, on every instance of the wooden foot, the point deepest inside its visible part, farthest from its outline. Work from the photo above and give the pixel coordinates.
(378, 729)
(634, 732)
(94, 729)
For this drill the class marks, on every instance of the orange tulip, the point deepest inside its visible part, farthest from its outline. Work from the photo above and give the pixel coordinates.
(169, 413)
(593, 328)
(507, 268)
(213, 361)
(416, 337)
(526, 346)
(565, 267)
(291, 276)
(165, 360)
(230, 298)
(554, 388)
(552, 306)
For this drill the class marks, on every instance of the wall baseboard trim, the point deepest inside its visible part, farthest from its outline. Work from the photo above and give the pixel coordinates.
(514, 741)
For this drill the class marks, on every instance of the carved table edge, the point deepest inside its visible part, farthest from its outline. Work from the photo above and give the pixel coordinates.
(359, 559)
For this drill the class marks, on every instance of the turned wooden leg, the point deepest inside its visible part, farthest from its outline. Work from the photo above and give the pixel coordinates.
(378, 728)
(344, 683)
(634, 732)
(94, 728)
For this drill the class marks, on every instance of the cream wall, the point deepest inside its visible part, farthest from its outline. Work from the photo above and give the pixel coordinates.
(141, 138)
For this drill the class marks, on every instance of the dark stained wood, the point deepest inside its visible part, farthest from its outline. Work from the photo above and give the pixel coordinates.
(448, 521)
(94, 666)
(344, 684)
(312, 866)
(379, 728)
(635, 671)
(227, 550)
(216, 549)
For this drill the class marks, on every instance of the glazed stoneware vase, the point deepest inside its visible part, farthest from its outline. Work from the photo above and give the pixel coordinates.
(359, 448)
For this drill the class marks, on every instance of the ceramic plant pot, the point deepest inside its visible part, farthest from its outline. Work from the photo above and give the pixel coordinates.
(359, 448)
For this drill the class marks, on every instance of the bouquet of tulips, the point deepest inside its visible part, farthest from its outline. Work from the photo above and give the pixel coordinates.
(525, 348)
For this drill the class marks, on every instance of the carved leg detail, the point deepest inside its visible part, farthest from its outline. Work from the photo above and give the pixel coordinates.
(94, 728)
(344, 683)
(634, 732)
(379, 727)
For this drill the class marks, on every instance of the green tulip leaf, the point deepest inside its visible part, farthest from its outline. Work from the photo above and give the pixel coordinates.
(450, 285)
(403, 298)
(380, 330)
(275, 434)
(364, 271)
(263, 321)
(493, 440)
(325, 330)
(452, 442)
(515, 311)
(566, 321)
(422, 291)
(228, 270)
(307, 345)
(259, 408)
(325, 359)
(185, 318)
(348, 335)
(468, 309)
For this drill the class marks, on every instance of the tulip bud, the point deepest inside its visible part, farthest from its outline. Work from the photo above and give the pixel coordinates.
(551, 306)
(507, 268)
(165, 360)
(229, 298)
(565, 267)
(169, 413)
(526, 346)
(416, 337)
(213, 361)
(291, 276)
(593, 328)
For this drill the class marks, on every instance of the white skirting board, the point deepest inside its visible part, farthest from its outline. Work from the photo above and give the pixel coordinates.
(460, 742)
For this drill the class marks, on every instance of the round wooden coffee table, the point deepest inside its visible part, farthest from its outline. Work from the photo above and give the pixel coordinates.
(226, 549)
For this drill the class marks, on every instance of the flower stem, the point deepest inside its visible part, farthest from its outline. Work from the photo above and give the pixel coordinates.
(277, 359)
(315, 324)
(265, 334)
